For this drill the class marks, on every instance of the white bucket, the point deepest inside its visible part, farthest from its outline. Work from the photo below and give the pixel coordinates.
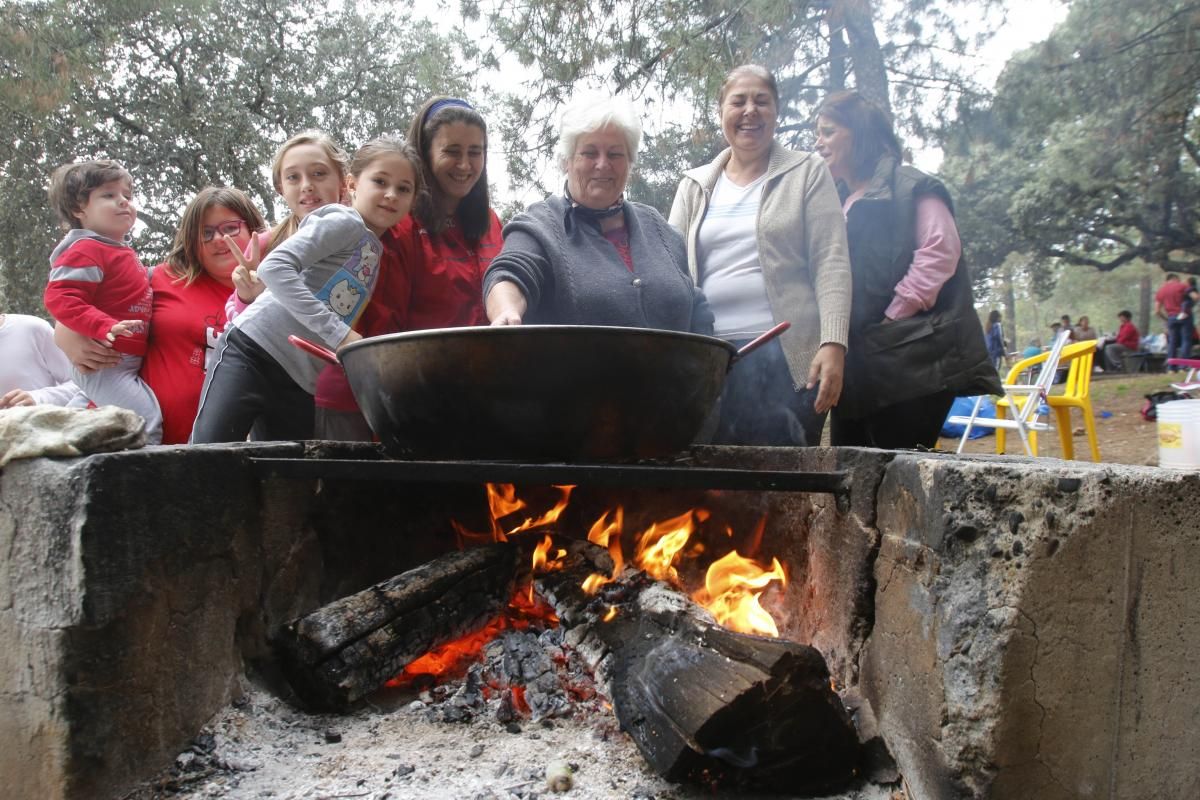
(1179, 434)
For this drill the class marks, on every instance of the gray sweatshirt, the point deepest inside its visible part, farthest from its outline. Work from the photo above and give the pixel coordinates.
(318, 282)
(570, 274)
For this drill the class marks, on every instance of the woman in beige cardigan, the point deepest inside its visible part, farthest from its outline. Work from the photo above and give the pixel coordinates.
(766, 241)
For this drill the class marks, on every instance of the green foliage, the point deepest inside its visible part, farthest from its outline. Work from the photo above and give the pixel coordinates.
(1090, 151)
(188, 93)
(673, 54)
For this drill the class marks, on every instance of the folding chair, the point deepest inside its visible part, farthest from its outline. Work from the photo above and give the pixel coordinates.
(1026, 399)
(1189, 384)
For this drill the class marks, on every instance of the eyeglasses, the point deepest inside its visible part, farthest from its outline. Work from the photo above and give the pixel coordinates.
(231, 228)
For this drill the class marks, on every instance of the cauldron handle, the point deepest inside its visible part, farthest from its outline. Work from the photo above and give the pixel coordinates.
(325, 354)
(754, 344)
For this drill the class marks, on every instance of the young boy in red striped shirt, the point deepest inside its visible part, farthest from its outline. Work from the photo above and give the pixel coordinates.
(97, 285)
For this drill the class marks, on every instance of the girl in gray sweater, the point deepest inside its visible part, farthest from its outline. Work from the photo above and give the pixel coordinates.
(318, 282)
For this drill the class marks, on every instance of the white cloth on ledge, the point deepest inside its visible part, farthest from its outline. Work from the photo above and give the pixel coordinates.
(33, 431)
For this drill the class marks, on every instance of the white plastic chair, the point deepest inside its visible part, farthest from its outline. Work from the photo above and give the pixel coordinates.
(1026, 399)
(1189, 385)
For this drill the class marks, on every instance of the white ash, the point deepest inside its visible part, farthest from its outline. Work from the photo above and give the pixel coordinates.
(259, 747)
(465, 740)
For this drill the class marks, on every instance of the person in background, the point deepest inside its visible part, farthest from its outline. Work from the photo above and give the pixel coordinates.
(588, 256)
(995, 339)
(1065, 322)
(1126, 342)
(766, 242)
(191, 289)
(33, 371)
(97, 285)
(1186, 308)
(1168, 306)
(1032, 349)
(1083, 330)
(915, 338)
(318, 282)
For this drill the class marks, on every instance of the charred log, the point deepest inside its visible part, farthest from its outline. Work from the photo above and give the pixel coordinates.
(347, 649)
(701, 702)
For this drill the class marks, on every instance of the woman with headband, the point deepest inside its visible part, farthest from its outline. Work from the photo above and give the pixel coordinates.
(432, 272)
(452, 234)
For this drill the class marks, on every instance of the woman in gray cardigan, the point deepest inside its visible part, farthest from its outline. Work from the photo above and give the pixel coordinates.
(588, 256)
(766, 242)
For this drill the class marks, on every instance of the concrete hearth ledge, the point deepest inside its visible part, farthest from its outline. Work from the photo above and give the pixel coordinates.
(1035, 631)
(122, 584)
(1010, 628)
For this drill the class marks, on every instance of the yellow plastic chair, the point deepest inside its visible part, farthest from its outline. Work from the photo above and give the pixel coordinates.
(1075, 394)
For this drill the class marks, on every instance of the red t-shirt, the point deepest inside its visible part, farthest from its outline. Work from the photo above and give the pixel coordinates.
(1170, 295)
(187, 321)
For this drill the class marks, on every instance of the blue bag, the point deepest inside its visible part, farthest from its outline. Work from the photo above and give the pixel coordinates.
(962, 407)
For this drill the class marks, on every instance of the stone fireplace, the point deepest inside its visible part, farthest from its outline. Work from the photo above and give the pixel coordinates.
(1004, 627)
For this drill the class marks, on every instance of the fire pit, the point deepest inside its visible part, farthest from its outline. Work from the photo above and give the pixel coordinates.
(1002, 627)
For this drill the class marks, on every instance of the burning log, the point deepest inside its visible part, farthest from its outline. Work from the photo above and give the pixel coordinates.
(701, 702)
(347, 649)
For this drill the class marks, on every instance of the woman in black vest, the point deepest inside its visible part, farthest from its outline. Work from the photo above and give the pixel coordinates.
(915, 339)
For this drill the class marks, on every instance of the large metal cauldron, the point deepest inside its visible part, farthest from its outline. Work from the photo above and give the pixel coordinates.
(537, 392)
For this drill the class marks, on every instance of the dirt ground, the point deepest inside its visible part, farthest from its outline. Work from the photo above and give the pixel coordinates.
(1124, 437)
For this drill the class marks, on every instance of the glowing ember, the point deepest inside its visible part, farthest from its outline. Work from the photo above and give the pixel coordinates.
(452, 659)
(731, 591)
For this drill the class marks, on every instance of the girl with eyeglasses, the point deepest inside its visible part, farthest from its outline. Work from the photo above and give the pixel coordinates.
(188, 311)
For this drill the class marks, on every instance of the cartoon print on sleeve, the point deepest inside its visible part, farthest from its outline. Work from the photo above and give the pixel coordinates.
(346, 292)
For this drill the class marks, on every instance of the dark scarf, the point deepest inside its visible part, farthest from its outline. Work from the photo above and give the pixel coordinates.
(590, 214)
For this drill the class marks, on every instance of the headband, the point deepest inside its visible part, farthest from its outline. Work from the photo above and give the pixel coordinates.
(440, 104)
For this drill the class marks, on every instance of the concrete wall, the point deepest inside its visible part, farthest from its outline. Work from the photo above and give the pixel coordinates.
(135, 589)
(1011, 628)
(1036, 633)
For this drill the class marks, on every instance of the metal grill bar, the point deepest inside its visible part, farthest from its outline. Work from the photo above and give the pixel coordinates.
(628, 475)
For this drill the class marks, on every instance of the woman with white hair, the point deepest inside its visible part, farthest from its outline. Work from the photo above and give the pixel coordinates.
(588, 256)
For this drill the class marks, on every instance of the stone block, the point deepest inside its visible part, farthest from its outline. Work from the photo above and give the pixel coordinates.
(1034, 632)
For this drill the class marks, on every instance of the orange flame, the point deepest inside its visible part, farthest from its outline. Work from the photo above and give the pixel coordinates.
(606, 533)
(662, 542)
(732, 589)
(503, 501)
(539, 552)
(541, 561)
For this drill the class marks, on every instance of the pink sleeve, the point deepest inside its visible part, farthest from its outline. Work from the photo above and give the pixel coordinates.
(936, 257)
(234, 306)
